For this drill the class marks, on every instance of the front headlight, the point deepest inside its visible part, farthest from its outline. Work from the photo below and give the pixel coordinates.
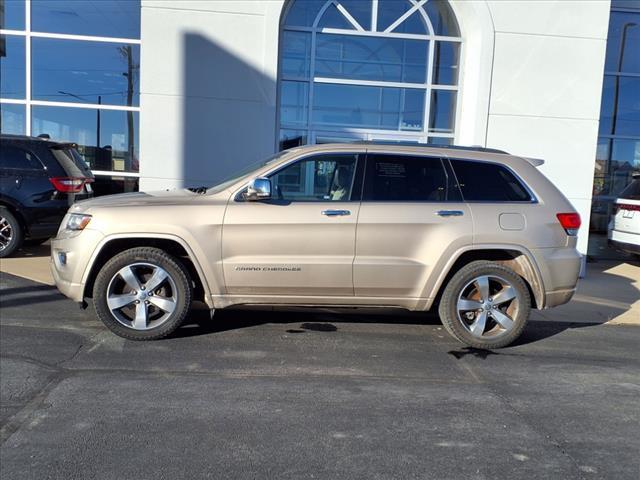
(77, 221)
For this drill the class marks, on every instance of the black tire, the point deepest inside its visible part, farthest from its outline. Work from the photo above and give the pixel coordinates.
(517, 309)
(179, 286)
(12, 234)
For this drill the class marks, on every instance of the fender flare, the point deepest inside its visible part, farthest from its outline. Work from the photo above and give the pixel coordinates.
(164, 236)
(537, 285)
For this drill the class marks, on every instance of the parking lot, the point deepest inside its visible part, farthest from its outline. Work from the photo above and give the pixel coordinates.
(299, 394)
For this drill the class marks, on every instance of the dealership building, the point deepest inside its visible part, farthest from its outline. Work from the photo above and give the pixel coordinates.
(161, 94)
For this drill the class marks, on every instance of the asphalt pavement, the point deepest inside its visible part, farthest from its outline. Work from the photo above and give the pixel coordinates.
(299, 394)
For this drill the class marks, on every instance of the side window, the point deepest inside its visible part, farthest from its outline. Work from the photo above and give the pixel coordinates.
(17, 158)
(402, 178)
(488, 182)
(325, 178)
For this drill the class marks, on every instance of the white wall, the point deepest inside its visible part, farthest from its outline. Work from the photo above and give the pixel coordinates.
(546, 87)
(531, 79)
(208, 89)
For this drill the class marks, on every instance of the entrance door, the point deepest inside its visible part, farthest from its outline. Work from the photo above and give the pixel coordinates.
(301, 242)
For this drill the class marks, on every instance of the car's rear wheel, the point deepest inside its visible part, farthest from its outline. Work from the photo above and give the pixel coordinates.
(485, 305)
(142, 294)
(11, 234)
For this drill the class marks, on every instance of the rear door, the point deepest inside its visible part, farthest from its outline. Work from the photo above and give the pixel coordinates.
(410, 217)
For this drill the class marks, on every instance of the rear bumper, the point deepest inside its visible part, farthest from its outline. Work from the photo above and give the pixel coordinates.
(625, 247)
(559, 268)
(625, 241)
(558, 297)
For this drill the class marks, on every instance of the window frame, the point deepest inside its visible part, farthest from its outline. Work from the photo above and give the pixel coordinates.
(452, 182)
(356, 191)
(310, 128)
(533, 199)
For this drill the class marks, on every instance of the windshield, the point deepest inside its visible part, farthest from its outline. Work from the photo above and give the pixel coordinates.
(227, 182)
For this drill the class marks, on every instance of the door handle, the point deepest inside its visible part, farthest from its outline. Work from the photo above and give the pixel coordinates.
(336, 213)
(450, 213)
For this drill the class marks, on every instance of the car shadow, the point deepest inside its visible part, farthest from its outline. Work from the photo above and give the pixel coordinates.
(33, 251)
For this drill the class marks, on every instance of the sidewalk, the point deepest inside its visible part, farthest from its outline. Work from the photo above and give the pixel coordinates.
(610, 292)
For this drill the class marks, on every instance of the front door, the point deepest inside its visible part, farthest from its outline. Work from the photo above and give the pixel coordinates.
(301, 242)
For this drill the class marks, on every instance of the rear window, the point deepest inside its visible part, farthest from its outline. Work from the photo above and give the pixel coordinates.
(72, 162)
(400, 178)
(631, 191)
(488, 182)
(17, 158)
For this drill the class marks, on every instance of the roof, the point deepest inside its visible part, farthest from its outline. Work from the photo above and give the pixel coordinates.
(26, 138)
(433, 145)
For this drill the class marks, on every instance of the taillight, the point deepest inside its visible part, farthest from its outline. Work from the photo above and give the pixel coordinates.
(570, 222)
(628, 206)
(69, 184)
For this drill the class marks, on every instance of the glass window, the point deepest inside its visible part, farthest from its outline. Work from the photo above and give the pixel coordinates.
(360, 10)
(12, 71)
(621, 117)
(442, 18)
(369, 79)
(296, 54)
(303, 13)
(292, 138)
(623, 57)
(372, 107)
(102, 18)
(391, 10)
(632, 191)
(85, 72)
(332, 18)
(398, 178)
(371, 58)
(12, 119)
(442, 111)
(13, 14)
(488, 182)
(445, 63)
(293, 102)
(326, 178)
(441, 140)
(107, 139)
(14, 157)
(104, 185)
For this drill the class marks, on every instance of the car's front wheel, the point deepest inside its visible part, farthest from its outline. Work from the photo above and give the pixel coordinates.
(142, 294)
(485, 305)
(11, 234)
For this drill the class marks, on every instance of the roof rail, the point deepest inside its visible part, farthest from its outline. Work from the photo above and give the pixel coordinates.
(475, 148)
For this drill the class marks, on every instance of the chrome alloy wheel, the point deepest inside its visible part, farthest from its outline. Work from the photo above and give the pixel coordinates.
(142, 296)
(487, 306)
(6, 233)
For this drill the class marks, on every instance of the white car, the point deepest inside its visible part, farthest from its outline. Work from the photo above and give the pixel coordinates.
(624, 228)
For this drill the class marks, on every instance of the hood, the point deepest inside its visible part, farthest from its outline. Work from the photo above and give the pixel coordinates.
(137, 199)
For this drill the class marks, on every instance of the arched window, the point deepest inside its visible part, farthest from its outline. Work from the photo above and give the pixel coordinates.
(368, 69)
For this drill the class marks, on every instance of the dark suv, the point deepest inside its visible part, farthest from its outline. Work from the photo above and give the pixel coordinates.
(39, 180)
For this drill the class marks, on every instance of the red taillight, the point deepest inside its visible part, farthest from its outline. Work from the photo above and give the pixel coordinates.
(570, 222)
(69, 184)
(627, 206)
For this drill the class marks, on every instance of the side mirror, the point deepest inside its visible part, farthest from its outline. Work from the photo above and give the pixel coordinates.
(258, 189)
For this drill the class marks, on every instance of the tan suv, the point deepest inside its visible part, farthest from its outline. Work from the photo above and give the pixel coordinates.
(480, 234)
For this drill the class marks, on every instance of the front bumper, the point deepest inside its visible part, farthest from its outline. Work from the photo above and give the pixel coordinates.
(71, 254)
